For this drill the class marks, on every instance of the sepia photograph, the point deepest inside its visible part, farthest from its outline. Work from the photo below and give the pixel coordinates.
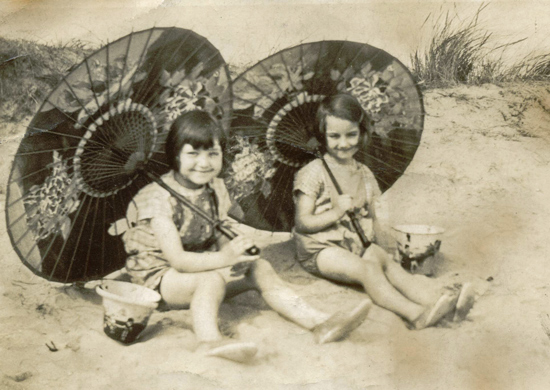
(261, 194)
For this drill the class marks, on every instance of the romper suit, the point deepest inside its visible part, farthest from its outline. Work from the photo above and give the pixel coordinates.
(146, 264)
(314, 181)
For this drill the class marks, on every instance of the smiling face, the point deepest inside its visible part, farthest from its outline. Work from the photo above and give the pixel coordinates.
(198, 167)
(342, 138)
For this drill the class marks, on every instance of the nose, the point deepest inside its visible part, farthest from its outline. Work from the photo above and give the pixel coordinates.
(343, 142)
(203, 160)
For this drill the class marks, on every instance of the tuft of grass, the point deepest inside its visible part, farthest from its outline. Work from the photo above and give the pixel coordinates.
(29, 71)
(456, 54)
(461, 52)
(532, 67)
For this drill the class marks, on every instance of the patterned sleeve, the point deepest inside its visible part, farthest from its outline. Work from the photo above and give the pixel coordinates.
(309, 180)
(151, 201)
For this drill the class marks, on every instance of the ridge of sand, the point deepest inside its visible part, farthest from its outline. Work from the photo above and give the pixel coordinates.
(481, 172)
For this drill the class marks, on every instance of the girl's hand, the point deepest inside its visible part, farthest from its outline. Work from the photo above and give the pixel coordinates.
(235, 250)
(342, 204)
(240, 268)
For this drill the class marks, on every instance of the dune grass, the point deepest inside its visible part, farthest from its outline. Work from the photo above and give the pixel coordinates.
(462, 52)
(458, 52)
(29, 71)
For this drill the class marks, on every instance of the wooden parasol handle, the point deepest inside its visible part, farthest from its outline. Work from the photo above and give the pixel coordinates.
(252, 251)
(358, 229)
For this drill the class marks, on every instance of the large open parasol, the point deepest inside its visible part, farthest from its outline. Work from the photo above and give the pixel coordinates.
(97, 139)
(274, 109)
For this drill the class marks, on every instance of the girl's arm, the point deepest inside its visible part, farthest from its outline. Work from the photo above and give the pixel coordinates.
(306, 222)
(184, 261)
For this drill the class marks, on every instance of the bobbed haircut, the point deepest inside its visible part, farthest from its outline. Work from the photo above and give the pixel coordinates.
(196, 128)
(342, 106)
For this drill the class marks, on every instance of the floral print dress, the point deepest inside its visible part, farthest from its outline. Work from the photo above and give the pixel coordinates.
(146, 264)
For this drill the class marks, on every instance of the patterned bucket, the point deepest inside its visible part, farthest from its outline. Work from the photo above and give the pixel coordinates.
(417, 247)
(128, 307)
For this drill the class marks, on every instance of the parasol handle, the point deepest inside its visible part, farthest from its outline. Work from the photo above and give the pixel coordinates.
(358, 229)
(252, 251)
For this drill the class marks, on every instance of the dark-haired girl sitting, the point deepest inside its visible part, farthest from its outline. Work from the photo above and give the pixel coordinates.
(182, 256)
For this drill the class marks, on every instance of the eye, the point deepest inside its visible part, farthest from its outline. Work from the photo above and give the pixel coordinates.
(193, 153)
(214, 154)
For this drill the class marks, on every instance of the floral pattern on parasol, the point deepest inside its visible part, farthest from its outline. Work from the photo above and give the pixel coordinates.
(75, 170)
(275, 104)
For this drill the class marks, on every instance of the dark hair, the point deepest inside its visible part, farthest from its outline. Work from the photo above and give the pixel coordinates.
(342, 106)
(196, 128)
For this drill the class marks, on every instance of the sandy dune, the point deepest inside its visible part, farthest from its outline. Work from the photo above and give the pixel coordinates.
(481, 173)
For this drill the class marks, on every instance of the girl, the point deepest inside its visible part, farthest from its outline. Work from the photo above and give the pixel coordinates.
(328, 246)
(181, 255)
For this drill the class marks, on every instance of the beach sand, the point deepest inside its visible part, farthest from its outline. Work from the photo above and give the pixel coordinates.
(481, 172)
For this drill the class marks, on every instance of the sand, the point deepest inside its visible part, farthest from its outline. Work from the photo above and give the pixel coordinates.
(481, 172)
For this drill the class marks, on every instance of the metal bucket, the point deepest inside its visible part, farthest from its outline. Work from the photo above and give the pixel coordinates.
(417, 247)
(128, 307)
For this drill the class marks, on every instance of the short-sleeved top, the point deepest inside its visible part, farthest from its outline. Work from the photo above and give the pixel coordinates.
(146, 263)
(356, 180)
(313, 180)
(193, 229)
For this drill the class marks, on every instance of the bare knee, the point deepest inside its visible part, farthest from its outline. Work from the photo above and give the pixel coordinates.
(211, 280)
(264, 275)
(376, 255)
(263, 267)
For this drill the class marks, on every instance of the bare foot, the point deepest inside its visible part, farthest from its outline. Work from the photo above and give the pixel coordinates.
(237, 351)
(444, 305)
(341, 324)
(465, 302)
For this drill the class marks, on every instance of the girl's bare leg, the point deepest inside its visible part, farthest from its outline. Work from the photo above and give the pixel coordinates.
(343, 266)
(203, 292)
(418, 288)
(281, 298)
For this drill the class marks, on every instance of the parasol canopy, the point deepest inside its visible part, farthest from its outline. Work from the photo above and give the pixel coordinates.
(274, 116)
(76, 168)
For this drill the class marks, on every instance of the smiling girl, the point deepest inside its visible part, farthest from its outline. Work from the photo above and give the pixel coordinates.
(327, 244)
(180, 254)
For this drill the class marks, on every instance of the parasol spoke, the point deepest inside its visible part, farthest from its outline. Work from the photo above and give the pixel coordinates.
(108, 73)
(159, 162)
(385, 152)
(67, 116)
(89, 72)
(91, 238)
(103, 239)
(57, 261)
(156, 61)
(14, 180)
(82, 106)
(285, 91)
(187, 77)
(183, 62)
(19, 154)
(264, 94)
(79, 237)
(104, 120)
(36, 131)
(271, 77)
(335, 58)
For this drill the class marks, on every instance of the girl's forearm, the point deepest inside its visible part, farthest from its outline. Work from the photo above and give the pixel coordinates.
(199, 262)
(307, 224)
(179, 259)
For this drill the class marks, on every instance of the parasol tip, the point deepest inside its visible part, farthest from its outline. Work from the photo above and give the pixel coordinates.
(135, 162)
